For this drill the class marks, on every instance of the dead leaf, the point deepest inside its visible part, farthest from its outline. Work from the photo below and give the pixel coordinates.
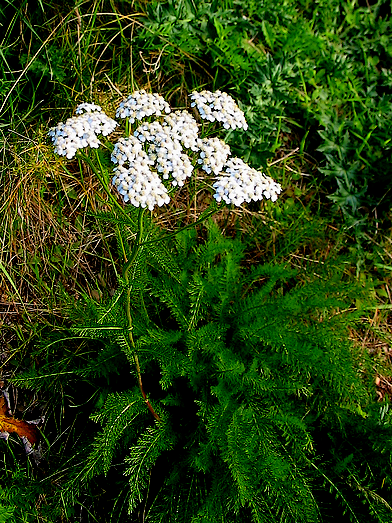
(11, 425)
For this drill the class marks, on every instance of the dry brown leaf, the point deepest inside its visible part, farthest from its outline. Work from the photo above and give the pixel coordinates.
(11, 425)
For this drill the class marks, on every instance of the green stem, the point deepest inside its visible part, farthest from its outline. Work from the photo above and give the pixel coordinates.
(97, 172)
(136, 246)
(126, 268)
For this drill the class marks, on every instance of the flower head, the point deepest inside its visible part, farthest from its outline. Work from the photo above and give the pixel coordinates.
(213, 154)
(126, 151)
(133, 178)
(241, 183)
(165, 151)
(219, 107)
(170, 161)
(82, 130)
(86, 107)
(184, 128)
(141, 104)
(152, 132)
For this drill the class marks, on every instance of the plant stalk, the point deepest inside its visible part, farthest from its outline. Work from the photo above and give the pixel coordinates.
(126, 268)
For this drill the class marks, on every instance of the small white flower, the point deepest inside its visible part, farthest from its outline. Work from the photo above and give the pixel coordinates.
(219, 107)
(141, 104)
(241, 183)
(213, 155)
(81, 131)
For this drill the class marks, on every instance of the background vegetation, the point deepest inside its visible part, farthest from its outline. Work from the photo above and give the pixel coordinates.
(314, 80)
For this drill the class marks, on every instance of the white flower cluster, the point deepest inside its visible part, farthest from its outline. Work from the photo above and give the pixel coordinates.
(165, 151)
(213, 154)
(126, 151)
(155, 152)
(141, 104)
(86, 107)
(240, 183)
(134, 179)
(152, 132)
(219, 107)
(184, 128)
(81, 130)
(169, 159)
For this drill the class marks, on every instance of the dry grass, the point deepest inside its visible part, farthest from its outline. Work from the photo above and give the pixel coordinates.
(49, 243)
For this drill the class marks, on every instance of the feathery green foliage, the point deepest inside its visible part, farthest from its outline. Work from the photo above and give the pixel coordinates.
(251, 379)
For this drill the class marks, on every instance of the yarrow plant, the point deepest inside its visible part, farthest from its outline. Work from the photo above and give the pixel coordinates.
(231, 429)
(159, 154)
(167, 149)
